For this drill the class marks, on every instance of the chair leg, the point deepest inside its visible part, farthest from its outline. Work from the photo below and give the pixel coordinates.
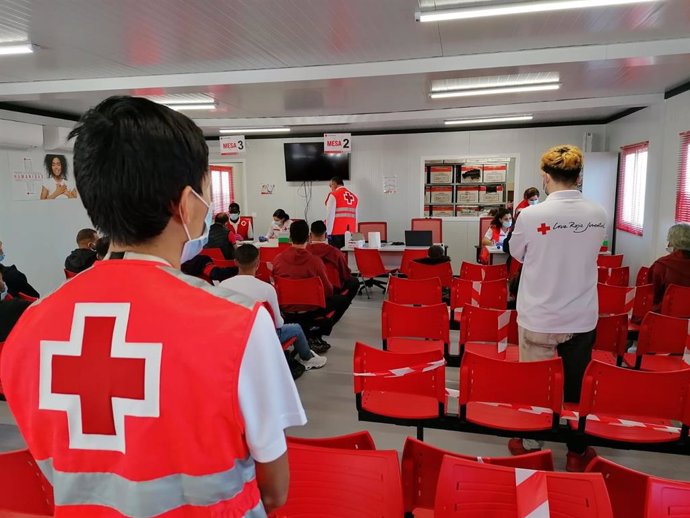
(420, 432)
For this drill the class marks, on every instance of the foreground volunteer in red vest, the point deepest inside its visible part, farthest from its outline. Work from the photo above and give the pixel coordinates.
(241, 225)
(140, 391)
(341, 208)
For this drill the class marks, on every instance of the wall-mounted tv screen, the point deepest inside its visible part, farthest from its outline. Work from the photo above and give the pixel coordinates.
(306, 162)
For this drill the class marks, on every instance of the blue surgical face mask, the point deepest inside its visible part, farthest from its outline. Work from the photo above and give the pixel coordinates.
(234, 216)
(192, 247)
(508, 224)
(3, 293)
(532, 202)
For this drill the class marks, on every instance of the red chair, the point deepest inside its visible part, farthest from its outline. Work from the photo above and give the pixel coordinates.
(26, 297)
(307, 293)
(341, 483)
(26, 494)
(661, 345)
(611, 339)
(627, 488)
(68, 274)
(484, 225)
(263, 273)
(614, 300)
(610, 261)
(409, 255)
(487, 294)
(643, 303)
(370, 266)
(469, 489)
(483, 329)
(418, 292)
(615, 276)
(373, 226)
(268, 253)
(655, 398)
(354, 441)
(433, 224)
(533, 384)
(642, 274)
(2, 392)
(676, 301)
(443, 271)
(415, 328)
(408, 399)
(421, 465)
(483, 272)
(214, 253)
(667, 499)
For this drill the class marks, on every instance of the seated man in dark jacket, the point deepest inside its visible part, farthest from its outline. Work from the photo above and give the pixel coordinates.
(435, 255)
(10, 311)
(84, 256)
(220, 237)
(332, 258)
(15, 280)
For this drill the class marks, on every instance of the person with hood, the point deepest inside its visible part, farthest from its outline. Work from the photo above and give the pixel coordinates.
(332, 257)
(15, 281)
(84, 255)
(673, 268)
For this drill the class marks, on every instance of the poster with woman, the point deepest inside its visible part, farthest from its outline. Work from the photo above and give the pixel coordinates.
(57, 185)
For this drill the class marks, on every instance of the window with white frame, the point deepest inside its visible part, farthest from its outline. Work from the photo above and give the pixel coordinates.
(632, 184)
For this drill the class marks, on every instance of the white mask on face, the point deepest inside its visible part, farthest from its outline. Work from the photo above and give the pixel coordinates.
(192, 247)
(508, 224)
(532, 202)
(234, 216)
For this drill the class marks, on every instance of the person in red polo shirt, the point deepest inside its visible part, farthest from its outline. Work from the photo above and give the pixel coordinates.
(141, 391)
(332, 258)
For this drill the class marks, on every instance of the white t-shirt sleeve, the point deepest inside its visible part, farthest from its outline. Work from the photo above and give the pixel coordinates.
(518, 241)
(330, 214)
(269, 401)
(489, 234)
(272, 299)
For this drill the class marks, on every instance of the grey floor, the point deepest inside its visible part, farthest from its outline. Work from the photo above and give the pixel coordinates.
(329, 401)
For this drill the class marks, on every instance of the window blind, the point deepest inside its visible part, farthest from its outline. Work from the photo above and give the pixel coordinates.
(683, 192)
(632, 185)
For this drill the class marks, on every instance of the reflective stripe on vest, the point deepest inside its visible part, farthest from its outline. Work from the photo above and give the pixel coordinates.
(345, 212)
(151, 497)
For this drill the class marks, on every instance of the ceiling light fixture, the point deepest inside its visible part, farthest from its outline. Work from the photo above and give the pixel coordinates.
(495, 91)
(478, 83)
(517, 8)
(490, 120)
(16, 48)
(242, 131)
(193, 106)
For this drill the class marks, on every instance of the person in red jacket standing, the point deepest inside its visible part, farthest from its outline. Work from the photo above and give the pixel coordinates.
(341, 209)
(141, 391)
(332, 258)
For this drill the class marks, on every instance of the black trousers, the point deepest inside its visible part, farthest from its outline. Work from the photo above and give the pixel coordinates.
(313, 322)
(352, 287)
(337, 241)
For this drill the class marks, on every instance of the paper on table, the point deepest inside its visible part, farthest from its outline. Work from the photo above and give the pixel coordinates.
(374, 239)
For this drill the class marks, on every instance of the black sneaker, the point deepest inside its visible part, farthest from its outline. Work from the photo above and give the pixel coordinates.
(318, 346)
(296, 368)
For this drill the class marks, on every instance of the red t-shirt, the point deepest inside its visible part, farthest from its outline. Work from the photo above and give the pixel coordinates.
(673, 268)
(298, 263)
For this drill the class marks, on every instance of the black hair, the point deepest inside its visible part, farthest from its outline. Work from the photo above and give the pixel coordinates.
(318, 228)
(48, 163)
(299, 232)
(496, 222)
(435, 251)
(234, 207)
(221, 218)
(530, 193)
(102, 246)
(281, 214)
(132, 160)
(246, 255)
(337, 180)
(85, 234)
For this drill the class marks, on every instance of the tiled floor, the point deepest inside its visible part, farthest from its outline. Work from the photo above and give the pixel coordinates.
(329, 401)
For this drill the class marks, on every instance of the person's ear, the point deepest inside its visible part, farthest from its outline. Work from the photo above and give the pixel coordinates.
(182, 212)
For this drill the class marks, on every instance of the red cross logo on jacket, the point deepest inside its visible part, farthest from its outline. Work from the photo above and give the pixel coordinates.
(349, 198)
(98, 378)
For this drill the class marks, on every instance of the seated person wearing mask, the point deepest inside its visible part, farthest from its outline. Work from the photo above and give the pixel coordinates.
(281, 223)
(673, 268)
(530, 197)
(238, 224)
(84, 256)
(220, 237)
(247, 257)
(15, 281)
(10, 310)
(500, 225)
(332, 257)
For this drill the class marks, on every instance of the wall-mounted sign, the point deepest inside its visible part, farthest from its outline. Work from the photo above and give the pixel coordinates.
(232, 145)
(336, 143)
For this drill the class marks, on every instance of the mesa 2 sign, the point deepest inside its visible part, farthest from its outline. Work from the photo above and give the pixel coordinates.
(335, 143)
(232, 145)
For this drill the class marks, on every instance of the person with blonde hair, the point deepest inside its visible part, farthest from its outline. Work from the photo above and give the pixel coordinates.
(673, 268)
(558, 243)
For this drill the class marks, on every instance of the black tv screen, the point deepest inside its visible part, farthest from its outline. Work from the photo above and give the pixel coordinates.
(306, 162)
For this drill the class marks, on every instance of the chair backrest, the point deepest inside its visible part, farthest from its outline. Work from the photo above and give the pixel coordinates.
(307, 292)
(662, 334)
(333, 274)
(483, 272)
(610, 261)
(26, 492)
(433, 224)
(26, 297)
(443, 271)
(421, 465)
(488, 325)
(409, 255)
(667, 498)
(644, 301)
(426, 322)
(627, 488)
(614, 300)
(616, 276)
(486, 294)
(263, 273)
(365, 227)
(213, 253)
(342, 483)
(268, 253)
(469, 489)
(68, 274)
(616, 391)
(497, 381)
(369, 263)
(642, 274)
(676, 301)
(431, 383)
(353, 441)
(484, 225)
(612, 334)
(422, 292)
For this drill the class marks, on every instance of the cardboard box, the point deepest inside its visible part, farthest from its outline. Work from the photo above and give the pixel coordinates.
(495, 173)
(470, 173)
(441, 174)
(442, 195)
(491, 194)
(469, 210)
(442, 211)
(467, 194)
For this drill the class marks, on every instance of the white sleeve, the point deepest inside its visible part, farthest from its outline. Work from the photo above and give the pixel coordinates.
(330, 214)
(269, 401)
(518, 241)
(489, 234)
(272, 299)
(271, 231)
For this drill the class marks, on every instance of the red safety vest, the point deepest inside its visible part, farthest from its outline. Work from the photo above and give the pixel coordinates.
(124, 384)
(345, 211)
(484, 255)
(241, 227)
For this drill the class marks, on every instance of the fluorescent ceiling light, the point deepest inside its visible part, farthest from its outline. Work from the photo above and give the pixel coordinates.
(517, 8)
(193, 106)
(22, 48)
(477, 83)
(490, 120)
(495, 91)
(256, 130)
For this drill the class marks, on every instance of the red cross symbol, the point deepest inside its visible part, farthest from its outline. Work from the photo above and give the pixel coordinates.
(98, 378)
(349, 198)
(544, 229)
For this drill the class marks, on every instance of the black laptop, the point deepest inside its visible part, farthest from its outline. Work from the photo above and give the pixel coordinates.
(418, 238)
